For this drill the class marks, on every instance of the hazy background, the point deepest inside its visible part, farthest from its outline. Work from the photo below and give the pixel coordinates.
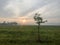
(22, 11)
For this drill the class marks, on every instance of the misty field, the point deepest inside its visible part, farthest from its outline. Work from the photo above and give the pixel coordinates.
(27, 35)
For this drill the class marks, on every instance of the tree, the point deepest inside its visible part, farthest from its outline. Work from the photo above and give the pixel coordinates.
(39, 20)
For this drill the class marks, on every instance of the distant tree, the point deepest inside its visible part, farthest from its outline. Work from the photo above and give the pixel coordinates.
(13, 23)
(39, 20)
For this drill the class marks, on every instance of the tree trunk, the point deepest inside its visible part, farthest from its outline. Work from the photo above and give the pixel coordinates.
(39, 32)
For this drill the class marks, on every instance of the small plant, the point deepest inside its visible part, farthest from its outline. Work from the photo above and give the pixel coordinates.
(39, 20)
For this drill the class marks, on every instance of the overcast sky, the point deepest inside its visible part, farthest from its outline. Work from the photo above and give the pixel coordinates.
(19, 10)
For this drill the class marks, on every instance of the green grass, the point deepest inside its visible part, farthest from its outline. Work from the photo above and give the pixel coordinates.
(27, 35)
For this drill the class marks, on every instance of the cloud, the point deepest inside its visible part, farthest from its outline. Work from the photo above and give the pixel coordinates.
(49, 12)
(20, 9)
(16, 8)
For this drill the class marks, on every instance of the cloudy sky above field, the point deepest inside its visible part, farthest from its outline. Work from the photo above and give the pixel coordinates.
(22, 11)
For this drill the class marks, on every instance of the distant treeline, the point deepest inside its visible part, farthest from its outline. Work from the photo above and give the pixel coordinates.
(8, 23)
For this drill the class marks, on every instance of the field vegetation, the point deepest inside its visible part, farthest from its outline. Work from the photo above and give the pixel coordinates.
(27, 35)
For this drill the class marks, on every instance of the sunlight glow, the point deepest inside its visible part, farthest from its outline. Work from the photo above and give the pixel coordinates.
(24, 21)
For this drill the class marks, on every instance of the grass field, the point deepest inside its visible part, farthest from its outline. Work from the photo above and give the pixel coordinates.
(27, 35)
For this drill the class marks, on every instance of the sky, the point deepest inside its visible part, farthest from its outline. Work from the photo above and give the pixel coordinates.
(23, 11)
